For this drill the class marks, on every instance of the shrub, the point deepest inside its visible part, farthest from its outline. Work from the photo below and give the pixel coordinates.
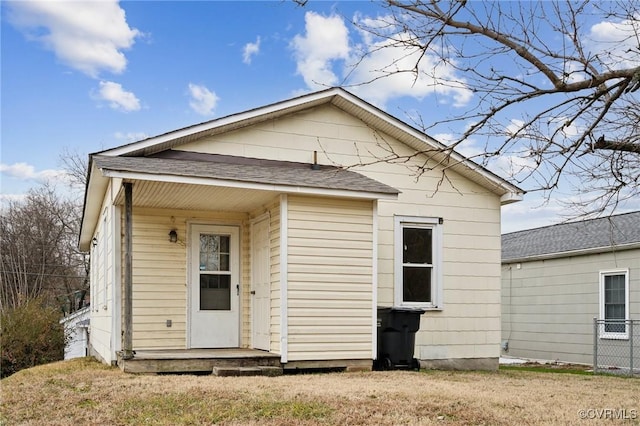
(30, 335)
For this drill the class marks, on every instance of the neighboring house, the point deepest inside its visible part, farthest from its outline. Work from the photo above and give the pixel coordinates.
(76, 332)
(557, 279)
(282, 229)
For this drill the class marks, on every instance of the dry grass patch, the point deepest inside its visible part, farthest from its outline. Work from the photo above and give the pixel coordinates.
(86, 392)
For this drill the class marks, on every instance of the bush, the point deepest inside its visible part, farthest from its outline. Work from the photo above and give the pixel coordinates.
(30, 335)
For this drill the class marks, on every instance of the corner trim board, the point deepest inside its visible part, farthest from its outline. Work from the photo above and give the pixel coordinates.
(284, 270)
(374, 281)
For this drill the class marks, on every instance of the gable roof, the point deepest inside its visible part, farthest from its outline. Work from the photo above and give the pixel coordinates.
(567, 239)
(345, 101)
(120, 161)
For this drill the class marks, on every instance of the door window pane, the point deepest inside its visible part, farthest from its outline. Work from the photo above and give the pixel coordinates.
(214, 252)
(215, 292)
(215, 275)
(224, 262)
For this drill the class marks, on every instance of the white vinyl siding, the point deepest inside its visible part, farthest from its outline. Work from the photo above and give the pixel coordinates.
(106, 266)
(245, 284)
(274, 236)
(549, 305)
(103, 267)
(469, 326)
(160, 274)
(329, 279)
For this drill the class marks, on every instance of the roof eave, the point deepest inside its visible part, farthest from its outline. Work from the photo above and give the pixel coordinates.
(459, 163)
(288, 189)
(511, 197)
(96, 188)
(571, 253)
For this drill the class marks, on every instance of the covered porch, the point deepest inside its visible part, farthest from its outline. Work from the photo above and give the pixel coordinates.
(263, 223)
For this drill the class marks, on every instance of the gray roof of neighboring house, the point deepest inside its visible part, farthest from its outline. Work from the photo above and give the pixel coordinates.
(242, 169)
(589, 235)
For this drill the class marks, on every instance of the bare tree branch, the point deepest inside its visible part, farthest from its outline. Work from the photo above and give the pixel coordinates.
(543, 83)
(601, 143)
(39, 257)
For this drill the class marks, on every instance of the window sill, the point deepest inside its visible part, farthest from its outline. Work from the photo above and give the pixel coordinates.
(613, 336)
(425, 307)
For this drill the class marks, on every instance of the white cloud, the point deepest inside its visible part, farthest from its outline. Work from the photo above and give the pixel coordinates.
(24, 171)
(250, 50)
(569, 130)
(203, 101)
(9, 198)
(445, 138)
(388, 69)
(18, 170)
(118, 98)
(470, 149)
(615, 43)
(324, 55)
(511, 166)
(326, 39)
(514, 127)
(131, 136)
(89, 36)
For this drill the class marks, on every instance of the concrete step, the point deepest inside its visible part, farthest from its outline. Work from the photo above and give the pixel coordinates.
(247, 371)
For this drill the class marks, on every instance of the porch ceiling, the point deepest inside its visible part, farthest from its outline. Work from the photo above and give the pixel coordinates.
(171, 195)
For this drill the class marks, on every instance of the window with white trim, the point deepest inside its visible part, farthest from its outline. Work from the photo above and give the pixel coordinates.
(418, 262)
(614, 303)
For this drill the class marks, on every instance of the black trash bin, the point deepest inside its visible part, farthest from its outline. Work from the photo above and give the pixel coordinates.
(397, 337)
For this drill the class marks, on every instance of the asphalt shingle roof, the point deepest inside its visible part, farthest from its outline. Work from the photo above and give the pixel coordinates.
(602, 232)
(241, 169)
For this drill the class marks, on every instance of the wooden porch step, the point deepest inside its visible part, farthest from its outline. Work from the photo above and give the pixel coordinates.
(260, 370)
(198, 360)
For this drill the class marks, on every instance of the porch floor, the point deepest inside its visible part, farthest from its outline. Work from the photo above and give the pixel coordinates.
(197, 360)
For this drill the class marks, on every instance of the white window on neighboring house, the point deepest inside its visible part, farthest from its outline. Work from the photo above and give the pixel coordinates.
(614, 303)
(418, 262)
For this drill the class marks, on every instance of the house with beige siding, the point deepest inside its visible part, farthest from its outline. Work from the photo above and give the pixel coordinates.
(279, 231)
(557, 279)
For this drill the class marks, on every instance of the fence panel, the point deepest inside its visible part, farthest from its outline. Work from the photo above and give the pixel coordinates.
(616, 346)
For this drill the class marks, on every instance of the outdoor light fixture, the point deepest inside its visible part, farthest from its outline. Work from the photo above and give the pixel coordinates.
(94, 241)
(173, 236)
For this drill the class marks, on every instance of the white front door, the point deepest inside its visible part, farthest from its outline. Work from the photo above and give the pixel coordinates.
(260, 285)
(214, 287)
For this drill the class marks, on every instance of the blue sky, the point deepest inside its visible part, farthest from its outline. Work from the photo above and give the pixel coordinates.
(86, 76)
